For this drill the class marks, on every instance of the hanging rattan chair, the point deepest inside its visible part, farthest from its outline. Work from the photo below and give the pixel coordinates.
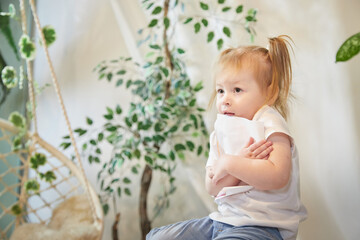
(18, 207)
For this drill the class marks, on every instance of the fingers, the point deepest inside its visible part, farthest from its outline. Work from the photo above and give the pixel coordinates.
(261, 149)
(265, 154)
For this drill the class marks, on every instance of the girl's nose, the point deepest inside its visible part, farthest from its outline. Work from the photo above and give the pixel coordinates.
(226, 100)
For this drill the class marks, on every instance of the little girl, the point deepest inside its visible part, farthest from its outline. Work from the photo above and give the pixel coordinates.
(255, 184)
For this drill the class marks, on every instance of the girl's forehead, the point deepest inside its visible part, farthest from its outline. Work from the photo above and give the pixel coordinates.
(232, 75)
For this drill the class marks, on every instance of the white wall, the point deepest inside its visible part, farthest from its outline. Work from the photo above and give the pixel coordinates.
(325, 116)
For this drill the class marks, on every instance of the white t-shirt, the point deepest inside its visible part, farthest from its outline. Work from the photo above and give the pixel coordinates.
(245, 205)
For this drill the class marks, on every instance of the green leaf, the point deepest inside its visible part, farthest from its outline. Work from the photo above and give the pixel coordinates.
(162, 156)
(180, 51)
(179, 147)
(121, 72)
(172, 155)
(128, 83)
(118, 109)
(249, 18)
(166, 22)
(239, 9)
(197, 27)
(49, 35)
(192, 103)
(173, 129)
(27, 48)
(227, 31)
(155, 46)
(49, 176)
(164, 116)
(80, 131)
(225, 9)
(157, 10)
(9, 77)
(349, 48)
(187, 127)
(181, 155)
(199, 150)
(153, 23)
(134, 170)
(32, 186)
(149, 160)
(105, 208)
(17, 120)
(198, 87)
(16, 210)
(188, 20)
(100, 137)
(109, 76)
(126, 180)
(119, 191)
(220, 43)
(134, 118)
(65, 145)
(204, 6)
(205, 22)
(127, 191)
(221, 1)
(210, 36)
(7, 31)
(38, 159)
(119, 82)
(89, 121)
(137, 153)
(190, 145)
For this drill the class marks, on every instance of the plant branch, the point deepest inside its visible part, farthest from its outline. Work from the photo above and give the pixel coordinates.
(168, 58)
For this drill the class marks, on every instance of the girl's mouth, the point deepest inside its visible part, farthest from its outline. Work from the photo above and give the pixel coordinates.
(229, 113)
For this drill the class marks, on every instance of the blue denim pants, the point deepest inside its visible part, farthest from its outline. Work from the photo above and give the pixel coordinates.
(206, 229)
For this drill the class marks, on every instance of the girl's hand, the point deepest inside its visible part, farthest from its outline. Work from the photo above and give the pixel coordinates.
(257, 150)
(254, 150)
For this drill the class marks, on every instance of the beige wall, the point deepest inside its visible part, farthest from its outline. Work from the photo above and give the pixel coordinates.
(325, 115)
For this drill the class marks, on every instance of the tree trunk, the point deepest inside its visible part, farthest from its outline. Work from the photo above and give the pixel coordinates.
(145, 223)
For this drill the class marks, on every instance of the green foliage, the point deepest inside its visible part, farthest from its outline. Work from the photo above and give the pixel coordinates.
(16, 210)
(32, 187)
(349, 48)
(9, 78)
(38, 159)
(5, 18)
(49, 35)
(27, 47)
(48, 176)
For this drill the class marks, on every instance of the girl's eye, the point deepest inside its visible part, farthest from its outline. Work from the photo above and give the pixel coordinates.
(237, 90)
(220, 91)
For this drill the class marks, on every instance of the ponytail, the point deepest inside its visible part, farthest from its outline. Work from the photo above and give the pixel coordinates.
(279, 88)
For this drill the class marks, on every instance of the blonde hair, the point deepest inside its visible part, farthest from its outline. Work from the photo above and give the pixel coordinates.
(271, 68)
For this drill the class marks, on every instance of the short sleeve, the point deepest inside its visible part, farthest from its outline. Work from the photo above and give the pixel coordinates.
(273, 121)
(212, 154)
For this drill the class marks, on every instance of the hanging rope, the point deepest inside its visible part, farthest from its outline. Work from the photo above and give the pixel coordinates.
(57, 90)
(22, 197)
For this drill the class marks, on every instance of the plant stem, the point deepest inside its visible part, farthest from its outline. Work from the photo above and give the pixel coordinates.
(145, 184)
(168, 59)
